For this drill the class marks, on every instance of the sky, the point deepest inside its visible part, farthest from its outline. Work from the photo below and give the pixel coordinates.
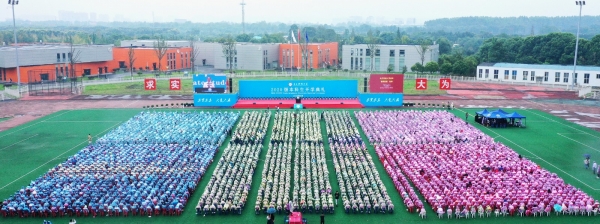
(286, 11)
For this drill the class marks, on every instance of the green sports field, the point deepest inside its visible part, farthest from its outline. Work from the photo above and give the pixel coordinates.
(29, 150)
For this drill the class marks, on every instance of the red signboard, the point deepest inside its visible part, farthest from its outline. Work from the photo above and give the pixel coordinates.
(421, 84)
(445, 84)
(386, 83)
(175, 84)
(150, 84)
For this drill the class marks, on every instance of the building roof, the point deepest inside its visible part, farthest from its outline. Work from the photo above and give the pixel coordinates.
(541, 67)
(49, 46)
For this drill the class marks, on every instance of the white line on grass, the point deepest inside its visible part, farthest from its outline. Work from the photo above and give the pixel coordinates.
(540, 158)
(36, 123)
(19, 142)
(21, 177)
(578, 142)
(569, 126)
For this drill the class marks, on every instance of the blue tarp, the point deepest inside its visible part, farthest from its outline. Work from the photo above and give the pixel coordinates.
(515, 115)
(484, 111)
(500, 111)
(495, 114)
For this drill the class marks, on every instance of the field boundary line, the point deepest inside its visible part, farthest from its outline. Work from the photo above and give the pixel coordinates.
(578, 142)
(569, 126)
(79, 121)
(36, 123)
(56, 157)
(19, 142)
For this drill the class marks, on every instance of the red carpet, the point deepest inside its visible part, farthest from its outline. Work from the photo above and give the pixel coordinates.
(289, 103)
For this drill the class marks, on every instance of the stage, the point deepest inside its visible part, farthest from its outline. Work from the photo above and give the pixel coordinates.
(307, 103)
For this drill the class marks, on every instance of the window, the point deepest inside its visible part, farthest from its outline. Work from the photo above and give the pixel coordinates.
(377, 52)
(57, 57)
(487, 73)
(575, 79)
(532, 76)
(377, 65)
(401, 52)
(352, 63)
(586, 78)
(392, 53)
(566, 77)
(361, 63)
(525, 75)
(597, 76)
(496, 74)
(557, 77)
(514, 75)
(361, 52)
(351, 52)
(367, 52)
(546, 76)
(480, 73)
(506, 73)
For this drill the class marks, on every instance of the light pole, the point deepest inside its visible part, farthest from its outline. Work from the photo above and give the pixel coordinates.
(13, 3)
(580, 4)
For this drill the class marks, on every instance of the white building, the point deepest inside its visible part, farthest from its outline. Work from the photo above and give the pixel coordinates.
(250, 56)
(543, 74)
(357, 57)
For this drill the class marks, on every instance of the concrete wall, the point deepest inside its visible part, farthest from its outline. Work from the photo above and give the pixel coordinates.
(410, 57)
(47, 54)
(250, 57)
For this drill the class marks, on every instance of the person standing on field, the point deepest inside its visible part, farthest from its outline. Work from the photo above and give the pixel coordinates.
(89, 139)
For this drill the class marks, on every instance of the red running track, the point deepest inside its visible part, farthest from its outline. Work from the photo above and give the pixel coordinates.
(289, 103)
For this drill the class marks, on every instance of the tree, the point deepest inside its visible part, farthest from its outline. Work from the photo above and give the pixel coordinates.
(73, 57)
(372, 47)
(131, 54)
(422, 50)
(390, 68)
(446, 68)
(417, 67)
(160, 49)
(228, 46)
(445, 45)
(195, 51)
(404, 69)
(432, 67)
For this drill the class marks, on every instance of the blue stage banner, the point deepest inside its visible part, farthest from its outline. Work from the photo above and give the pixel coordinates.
(381, 99)
(215, 100)
(302, 88)
(209, 83)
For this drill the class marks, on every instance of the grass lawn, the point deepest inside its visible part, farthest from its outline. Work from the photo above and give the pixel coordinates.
(4, 119)
(29, 150)
(137, 87)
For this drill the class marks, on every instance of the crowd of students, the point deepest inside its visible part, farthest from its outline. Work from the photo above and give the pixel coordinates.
(312, 189)
(275, 186)
(472, 174)
(137, 169)
(228, 188)
(361, 187)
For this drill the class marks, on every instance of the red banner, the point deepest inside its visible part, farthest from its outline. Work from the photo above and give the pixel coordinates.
(175, 84)
(150, 84)
(386, 83)
(421, 84)
(445, 84)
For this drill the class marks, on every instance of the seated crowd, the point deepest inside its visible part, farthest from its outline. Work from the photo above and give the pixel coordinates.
(361, 187)
(227, 190)
(274, 191)
(312, 189)
(117, 175)
(460, 170)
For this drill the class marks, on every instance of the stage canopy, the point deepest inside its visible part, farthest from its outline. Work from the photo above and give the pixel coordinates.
(495, 114)
(484, 111)
(515, 115)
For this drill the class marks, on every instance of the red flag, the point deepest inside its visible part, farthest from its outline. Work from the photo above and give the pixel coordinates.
(150, 84)
(421, 84)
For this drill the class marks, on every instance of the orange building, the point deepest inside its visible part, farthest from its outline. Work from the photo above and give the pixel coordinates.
(48, 62)
(320, 55)
(176, 58)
